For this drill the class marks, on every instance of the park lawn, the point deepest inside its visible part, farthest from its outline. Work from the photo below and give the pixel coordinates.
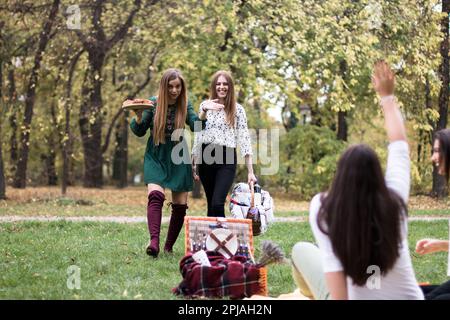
(411, 212)
(66, 207)
(35, 257)
(132, 201)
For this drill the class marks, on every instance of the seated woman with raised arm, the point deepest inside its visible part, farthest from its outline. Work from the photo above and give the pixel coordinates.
(360, 223)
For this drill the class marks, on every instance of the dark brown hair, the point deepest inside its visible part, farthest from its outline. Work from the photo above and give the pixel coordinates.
(443, 136)
(361, 216)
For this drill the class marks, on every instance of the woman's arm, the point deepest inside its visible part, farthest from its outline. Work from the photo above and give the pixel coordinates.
(209, 105)
(202, 111)
(192, 120)
(331, 266)
(383, 81)
(337, 285)
(251, 175)
(244, 142)
(425, 246)
(398, 163)
(141, 122)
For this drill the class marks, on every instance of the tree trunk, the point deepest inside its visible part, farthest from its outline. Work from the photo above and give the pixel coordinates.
(21, 172)
(342, 132)
(65, 171)
(91, 123)
(342, 126)
(120, 159)
(439, 183)
(97, 45)
(67, 141)
(291, 121)
(49, 162)
(257, 106)
(444, 68)
(422, 155)
(12, 99)
(67, 149)
(419, 150)
(2, 172)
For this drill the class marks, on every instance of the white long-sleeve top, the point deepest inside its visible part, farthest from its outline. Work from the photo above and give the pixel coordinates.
(218, 131)
(400, 282)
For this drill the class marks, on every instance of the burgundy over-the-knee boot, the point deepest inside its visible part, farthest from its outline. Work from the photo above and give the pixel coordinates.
(154, 215)
(176, 223)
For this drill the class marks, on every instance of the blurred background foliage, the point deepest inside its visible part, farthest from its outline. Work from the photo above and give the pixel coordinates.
(302, 67)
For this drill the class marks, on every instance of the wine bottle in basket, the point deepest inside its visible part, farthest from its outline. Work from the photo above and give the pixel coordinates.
(253, 212)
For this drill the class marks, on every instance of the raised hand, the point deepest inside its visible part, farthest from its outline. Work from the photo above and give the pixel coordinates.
(383, 79)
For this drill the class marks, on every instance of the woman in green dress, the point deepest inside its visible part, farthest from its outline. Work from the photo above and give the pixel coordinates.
(166, 160)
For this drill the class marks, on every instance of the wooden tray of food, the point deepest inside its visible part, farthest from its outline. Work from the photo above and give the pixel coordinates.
(137, 104)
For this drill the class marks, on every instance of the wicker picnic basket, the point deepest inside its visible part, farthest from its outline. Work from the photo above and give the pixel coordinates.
(197, 229)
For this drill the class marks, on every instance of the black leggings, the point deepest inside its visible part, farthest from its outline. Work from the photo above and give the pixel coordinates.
(437, 292)
(217, 177)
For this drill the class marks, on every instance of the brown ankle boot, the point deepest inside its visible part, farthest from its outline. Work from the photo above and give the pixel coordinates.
(154, 216)
(176, 223)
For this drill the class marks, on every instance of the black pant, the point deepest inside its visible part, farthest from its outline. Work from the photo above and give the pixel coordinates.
(437, 292)
(217, 175)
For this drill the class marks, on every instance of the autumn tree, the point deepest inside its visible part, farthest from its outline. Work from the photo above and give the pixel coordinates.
(439, 183)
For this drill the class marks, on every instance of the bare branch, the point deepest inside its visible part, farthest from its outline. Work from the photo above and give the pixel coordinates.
(73, 64)
(130, 96)
(84, 40)
(108, 135)
(97, 20)
(122, 30)
(149, 75)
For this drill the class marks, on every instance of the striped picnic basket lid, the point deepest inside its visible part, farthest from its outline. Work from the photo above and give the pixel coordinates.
(197, 230)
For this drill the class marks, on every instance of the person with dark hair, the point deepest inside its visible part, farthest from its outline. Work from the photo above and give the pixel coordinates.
(360, 224)
(166, 119)
(214, 150)
(441, 159)
(441, 152)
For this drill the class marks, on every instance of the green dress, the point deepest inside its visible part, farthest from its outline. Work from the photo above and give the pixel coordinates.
(159, 168)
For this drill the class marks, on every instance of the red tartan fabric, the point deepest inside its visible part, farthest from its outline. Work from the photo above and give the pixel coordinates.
(236, 277)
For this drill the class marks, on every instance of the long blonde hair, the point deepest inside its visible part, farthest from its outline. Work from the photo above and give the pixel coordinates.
(159, 121)
(230, 100)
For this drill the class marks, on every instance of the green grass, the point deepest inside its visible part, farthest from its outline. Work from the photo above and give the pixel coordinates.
(61, 209)
(34, 258)
(69, 209)
(430, 212)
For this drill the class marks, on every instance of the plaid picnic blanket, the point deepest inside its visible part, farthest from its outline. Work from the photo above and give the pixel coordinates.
(236, 277)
